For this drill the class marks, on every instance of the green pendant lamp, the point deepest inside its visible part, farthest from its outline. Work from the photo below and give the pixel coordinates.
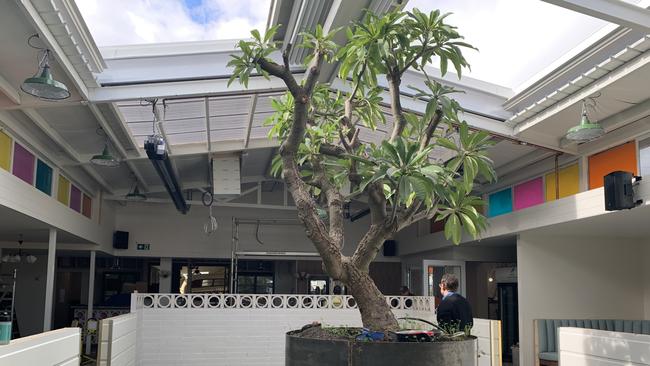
(586, 130)
(42, 85)
(105, 159)
(135, 195)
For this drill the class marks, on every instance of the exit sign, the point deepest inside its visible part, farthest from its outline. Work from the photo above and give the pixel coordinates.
(144, 246)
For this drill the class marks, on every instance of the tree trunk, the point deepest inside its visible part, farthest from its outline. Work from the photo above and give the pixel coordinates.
(375, 311)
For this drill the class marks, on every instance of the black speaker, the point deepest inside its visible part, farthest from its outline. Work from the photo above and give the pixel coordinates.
(390, 248)
(121, 240)
(619, 194)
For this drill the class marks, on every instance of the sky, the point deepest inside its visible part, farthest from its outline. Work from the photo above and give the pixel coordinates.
(124, 22)
(516, 38)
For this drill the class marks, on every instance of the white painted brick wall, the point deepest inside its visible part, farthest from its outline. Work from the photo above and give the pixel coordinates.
(591, 347)
(56, 348)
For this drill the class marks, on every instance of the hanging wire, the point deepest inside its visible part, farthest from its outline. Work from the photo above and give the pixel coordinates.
(257, 233)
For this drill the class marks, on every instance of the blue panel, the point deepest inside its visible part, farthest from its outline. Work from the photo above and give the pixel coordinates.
(44, 178)
(500, 203)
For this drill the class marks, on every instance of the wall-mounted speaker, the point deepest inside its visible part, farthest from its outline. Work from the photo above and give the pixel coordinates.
(619, 193)
(390, 248)
(121, 240)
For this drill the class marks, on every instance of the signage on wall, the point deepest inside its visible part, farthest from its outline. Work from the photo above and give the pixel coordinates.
(142, 246)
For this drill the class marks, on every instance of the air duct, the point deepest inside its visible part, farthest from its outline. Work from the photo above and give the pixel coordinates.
(154, 145)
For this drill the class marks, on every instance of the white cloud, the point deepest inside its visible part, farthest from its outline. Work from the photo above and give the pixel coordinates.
(516, 38)
(121, 22)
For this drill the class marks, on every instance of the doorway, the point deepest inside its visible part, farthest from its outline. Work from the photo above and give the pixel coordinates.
(433, 270)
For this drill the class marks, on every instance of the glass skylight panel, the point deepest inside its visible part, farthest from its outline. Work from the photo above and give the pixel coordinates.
(517, 39)
(146, 22)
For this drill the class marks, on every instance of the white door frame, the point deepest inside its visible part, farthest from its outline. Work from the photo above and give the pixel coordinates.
(441, 263)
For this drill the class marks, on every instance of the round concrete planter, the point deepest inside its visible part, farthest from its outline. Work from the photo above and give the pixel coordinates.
(308, 352)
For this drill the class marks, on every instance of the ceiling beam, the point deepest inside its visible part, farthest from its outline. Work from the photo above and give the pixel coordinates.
(185, 89)
(65, 146)
(207, 123)
(8, 89)
(591, 89)
(614, 11)
(50, 41)
(215, 203)
(251, 117)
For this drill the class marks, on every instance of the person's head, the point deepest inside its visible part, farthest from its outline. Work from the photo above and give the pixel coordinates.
(337, 290)
(404, 291)
(448, 283)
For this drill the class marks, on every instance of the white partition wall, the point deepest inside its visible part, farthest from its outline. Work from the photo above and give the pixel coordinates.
(589, 347)
(117, 341)
(488, 333)
(59, 347)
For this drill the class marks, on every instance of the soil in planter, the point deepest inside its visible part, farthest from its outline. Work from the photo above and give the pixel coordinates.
(350, 334)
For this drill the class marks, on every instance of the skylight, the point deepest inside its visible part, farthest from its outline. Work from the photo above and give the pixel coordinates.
(125, 22)
(517, 39)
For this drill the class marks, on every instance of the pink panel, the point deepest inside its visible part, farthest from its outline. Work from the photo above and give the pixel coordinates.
(75, 199)
(530, 193)
(23, 164)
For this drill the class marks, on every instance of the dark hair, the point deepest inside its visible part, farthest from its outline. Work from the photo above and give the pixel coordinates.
(337, 290)
(404, 290)
(450, 282)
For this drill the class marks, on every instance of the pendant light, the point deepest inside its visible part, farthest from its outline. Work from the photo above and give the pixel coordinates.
(586, 130)
(105, 158)
(18, 257)
(135, 195)
(42, 84)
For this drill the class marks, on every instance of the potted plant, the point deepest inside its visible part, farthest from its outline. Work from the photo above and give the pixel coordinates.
(402, 177)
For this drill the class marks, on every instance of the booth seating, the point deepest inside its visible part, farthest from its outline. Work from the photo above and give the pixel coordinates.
(546, 342)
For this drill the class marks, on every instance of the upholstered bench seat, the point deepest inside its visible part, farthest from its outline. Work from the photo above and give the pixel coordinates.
(547, 342)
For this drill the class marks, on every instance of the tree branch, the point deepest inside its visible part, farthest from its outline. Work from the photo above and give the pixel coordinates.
(431, 129)
(399, 121)
(282, 72)
(370, 244)
(313, 72)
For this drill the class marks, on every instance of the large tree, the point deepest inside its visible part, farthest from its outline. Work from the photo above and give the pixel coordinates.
(401, 177)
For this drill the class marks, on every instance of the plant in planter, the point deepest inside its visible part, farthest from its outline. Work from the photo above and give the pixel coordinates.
(402, 177)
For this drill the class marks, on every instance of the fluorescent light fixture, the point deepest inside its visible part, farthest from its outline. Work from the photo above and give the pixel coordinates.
(154, 145)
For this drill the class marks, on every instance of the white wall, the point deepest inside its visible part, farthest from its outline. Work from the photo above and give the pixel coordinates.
(172, 234)
(576, 278)
(117, 341)
(56, 348)
(589, 347)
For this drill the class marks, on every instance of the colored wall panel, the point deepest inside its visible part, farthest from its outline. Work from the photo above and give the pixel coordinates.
(529, 193)
(87, 206)
(75, 198)
(5, 151)
(63, 191)
(23, 166)
(44, 178)
(569, 182)
(622, 157)
(500, 203)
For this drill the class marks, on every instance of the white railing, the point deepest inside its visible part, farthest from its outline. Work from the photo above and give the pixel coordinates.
(245, 301)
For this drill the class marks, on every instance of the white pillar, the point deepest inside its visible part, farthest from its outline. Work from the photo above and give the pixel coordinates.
(91, 295)
(165, 278)
(49, 284)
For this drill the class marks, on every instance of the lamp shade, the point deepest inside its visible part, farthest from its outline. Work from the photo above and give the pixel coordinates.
(105, 159)
(135, 195)
(45, 87)
(586, 130)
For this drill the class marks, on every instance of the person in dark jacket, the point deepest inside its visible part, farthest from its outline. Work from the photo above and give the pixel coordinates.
(454, 311)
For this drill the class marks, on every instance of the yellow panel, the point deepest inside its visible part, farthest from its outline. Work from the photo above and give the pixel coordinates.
(569, 182)
(63, 192)
(5, 151)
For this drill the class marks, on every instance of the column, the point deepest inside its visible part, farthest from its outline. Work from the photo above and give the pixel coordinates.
(49, 284)
(91, 295)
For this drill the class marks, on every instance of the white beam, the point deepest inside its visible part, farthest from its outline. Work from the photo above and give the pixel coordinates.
(593, 88)
(251, 117)
(8, 89)
(216, 203)
(50, 41)
(91, 296)
(207, 123)
(614, 11)
(39, 121)
(49, 281)
(185, 89)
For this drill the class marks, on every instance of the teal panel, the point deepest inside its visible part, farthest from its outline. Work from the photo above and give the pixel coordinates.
(500, 203)
(44, 178)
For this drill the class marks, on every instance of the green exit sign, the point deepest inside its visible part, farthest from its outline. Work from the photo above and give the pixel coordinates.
(144, 246)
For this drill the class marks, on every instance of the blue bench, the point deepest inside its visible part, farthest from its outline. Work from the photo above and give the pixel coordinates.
(546, 333)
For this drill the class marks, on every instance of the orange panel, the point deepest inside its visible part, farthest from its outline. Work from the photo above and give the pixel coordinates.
(622, 157)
